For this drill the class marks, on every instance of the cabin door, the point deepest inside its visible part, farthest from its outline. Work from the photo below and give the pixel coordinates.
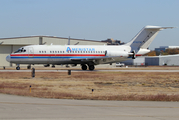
(31, 52)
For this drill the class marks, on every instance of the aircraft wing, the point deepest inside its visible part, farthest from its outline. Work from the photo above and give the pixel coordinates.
(91, 58)
(98, 60)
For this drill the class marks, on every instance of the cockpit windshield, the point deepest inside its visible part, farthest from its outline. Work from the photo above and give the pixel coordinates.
(20, 50)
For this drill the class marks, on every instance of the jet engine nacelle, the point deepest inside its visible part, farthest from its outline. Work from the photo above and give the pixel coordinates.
(116, 53)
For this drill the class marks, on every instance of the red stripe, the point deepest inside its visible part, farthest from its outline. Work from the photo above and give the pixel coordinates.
(63, 55)
(18, 54)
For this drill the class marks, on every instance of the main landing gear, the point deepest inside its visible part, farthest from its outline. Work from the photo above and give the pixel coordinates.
(84, 67)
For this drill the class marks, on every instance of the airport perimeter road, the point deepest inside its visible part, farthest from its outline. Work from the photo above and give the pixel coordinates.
(20, 108)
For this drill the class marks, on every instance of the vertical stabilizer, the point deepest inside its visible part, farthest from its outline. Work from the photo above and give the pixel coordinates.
(145, 37)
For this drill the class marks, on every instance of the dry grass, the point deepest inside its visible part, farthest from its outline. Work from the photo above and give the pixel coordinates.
(106, 85)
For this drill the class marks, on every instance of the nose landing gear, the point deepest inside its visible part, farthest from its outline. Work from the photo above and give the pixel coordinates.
(17, 68)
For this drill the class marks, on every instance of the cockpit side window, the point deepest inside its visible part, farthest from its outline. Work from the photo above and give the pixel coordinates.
(17, 51)
(20, 50)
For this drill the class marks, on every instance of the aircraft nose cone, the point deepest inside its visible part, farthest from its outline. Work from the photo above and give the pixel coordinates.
(8, 58)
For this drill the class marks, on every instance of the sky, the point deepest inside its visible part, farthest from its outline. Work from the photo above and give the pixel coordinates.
(90, 19)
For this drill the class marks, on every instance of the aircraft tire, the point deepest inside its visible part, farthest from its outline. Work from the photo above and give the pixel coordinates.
(84, 67)
(17, 68)
(91, 67)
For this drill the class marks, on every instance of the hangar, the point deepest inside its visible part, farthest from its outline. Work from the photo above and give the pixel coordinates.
(168, 60)
(8, 45)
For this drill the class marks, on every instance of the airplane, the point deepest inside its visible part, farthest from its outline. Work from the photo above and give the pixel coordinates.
(86, 55)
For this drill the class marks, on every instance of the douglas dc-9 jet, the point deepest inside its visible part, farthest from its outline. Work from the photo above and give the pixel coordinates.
(86, 55)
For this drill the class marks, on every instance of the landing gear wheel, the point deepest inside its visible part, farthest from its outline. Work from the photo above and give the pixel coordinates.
(91, 67)
(17, 68)
(84, 67)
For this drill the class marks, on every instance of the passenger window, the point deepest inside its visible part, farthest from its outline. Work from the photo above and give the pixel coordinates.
(39, 51)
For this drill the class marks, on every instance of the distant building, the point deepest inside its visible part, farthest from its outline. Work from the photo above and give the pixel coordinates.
(163, 48)
(169, 60)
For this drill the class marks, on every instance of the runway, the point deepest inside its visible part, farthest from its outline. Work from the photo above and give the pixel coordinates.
(73, 70)
(18, 107)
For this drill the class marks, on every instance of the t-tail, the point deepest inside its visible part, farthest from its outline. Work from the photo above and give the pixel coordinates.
(140, 43)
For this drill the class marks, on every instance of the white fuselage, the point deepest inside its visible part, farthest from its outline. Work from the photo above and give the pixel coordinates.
(69, 54)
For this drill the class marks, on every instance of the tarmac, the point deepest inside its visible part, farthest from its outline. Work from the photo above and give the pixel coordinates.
(90, 71)
(19, 108)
